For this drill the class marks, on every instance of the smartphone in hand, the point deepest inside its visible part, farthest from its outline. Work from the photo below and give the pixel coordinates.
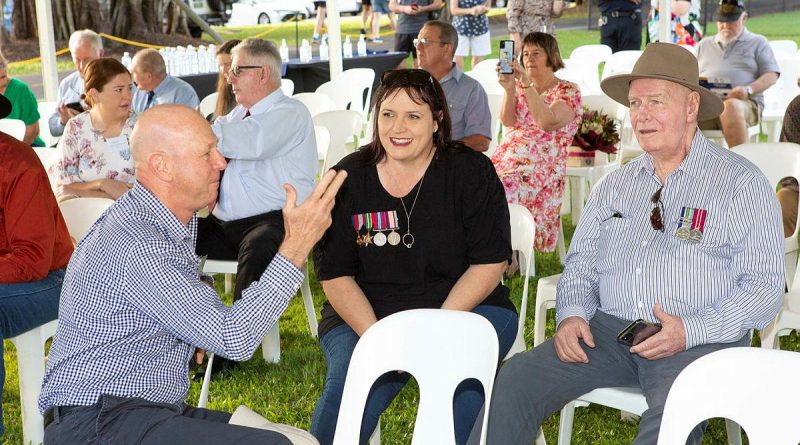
(506, 56)
(637, 332)
(76, 106)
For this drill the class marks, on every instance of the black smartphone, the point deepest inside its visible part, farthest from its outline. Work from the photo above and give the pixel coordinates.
(506, 56)
(637, 332)
(76, 106)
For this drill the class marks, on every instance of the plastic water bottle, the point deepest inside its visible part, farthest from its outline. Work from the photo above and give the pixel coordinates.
(347, 48)
(323, 49)
(305, 51)
(362, 46)
(284, 50)
(127, 60)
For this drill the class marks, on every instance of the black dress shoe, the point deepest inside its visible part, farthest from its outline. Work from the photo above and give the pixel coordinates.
(220, 367)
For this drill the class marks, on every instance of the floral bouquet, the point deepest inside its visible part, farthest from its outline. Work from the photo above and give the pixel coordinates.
(597, 132)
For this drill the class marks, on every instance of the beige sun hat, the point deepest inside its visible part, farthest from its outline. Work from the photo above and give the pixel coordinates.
(665, 61)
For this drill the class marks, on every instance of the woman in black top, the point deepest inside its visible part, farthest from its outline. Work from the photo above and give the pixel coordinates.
(420, 222)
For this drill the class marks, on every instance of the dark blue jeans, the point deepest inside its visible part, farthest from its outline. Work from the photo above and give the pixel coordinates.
(24, 306)
(338, 344)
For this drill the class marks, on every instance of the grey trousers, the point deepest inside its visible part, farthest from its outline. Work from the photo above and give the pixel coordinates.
(122, 421)
(533, 385)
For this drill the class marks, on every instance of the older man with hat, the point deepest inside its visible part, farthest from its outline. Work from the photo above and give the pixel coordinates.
(743, 65)
(34, 242)
(684, 243)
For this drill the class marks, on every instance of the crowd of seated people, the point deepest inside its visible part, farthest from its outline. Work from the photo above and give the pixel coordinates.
(133, 288)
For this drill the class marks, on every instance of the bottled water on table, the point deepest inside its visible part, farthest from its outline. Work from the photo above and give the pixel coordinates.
(347, 48)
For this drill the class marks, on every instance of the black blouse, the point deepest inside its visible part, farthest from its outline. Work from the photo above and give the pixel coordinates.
(460, 218)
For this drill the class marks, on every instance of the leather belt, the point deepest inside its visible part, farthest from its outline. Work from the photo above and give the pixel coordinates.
(59, 411)
(616, 14)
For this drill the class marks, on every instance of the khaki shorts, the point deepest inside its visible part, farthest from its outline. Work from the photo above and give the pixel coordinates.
(752, 115)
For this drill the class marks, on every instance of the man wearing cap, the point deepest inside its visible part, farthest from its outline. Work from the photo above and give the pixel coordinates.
(688, 236)
(742, 59)
(34, 242)
(621, 24)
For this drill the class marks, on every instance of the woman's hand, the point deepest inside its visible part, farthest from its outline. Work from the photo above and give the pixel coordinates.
(519, 73)
(506, 81)
(114, 188)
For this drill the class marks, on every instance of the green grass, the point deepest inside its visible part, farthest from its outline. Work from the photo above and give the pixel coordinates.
(286, 392)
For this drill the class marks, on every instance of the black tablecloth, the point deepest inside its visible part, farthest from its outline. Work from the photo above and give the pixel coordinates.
(310, 75)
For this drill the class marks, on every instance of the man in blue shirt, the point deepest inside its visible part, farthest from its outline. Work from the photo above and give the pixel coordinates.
(155, 86)
(134, 305)
(84, 46)
(467, 102)
(687, 235)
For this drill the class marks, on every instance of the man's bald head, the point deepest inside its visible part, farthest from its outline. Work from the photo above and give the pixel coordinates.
(176, 158)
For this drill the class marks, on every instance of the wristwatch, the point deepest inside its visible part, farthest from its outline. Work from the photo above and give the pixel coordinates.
(749, 91)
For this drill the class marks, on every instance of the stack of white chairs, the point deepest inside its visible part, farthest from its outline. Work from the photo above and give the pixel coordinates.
(13, 127)
(756, 388)
(585, 60)
(343, 126)
(348, 91)
(79, 214)
(440, 348)
(315, 102)
(778, 96)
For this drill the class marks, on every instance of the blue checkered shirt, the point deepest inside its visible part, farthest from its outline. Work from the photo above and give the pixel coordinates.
(133, 309)
(729, 282)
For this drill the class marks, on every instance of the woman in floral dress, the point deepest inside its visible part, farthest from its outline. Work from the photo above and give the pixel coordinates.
(542, 114)
(96, 159)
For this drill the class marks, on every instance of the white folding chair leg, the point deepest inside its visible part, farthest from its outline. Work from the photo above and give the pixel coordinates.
(308, 302)
(375, 438)
(228, 283)
(540, 438)
(561, 243)
(31, 365)
(734, 432)
(271, 345)
(203, 401)
(565, 425)
(578, 197)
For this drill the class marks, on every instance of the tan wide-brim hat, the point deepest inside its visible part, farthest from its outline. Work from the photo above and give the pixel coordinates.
(665, 61)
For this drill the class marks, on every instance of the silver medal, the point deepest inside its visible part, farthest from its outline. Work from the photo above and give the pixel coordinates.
(379, 239)
(394, 238)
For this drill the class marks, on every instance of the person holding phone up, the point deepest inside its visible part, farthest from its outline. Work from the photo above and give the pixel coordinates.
(542, 114)
(688, 235)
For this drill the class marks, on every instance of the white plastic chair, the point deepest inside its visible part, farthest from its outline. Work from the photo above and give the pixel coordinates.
(31, 360)
(754, 387)
(208, 104)
(495, 104)
(343, 125)
(621, 62)
(486, 65)
(523, 235)
(488, 80)
(48, 156)
(783, 48)
(359, 80)
(13, 127)
(46, 109)
(81, 213)
(315, 102)
(718, 137)
(323, 138)
(271, 345)
(586, 60)
(440, 348)
(778, 96)
(287, 86)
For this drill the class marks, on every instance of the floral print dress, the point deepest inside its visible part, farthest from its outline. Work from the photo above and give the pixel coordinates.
(86, 155)
(532, 163)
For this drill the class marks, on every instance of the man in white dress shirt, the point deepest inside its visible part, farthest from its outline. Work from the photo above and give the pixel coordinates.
(687, 237)
(268, 140)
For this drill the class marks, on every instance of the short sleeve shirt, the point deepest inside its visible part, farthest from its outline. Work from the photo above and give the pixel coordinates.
(468, 25)
(411, 24)
(459, 218)
(24, 105)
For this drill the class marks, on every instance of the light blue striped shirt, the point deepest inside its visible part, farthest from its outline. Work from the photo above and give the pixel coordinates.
(171, 90)
(723, 286)
(133, 309)
(273, 146)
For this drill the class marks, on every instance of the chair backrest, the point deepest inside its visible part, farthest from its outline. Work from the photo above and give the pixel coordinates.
(585, 61)
(46, 109)
(783, 48)
(440, 348)
(486, 65)
(287, 85)
(360, 81)
(523, 235)
(488, 80)
(777, 160)
(495, 104)
(13, 127)
(347, 93)
(48, 156)
(323, 137)
(621, 62)
(315, 102)
(778, 96)
(81, 213)
(757, 388)
(208, 104)
(342, 126)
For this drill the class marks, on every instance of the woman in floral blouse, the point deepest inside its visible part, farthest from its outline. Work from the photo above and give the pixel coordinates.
(542, 114)
(95, 157)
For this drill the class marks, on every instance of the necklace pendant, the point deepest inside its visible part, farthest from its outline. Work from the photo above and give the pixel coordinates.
(408, 240)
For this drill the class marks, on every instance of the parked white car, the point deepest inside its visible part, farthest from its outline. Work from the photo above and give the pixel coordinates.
(263, 12)
(345, 6)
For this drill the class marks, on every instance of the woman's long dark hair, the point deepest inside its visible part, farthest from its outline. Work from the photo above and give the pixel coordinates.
(225, 100)
(422, 88)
